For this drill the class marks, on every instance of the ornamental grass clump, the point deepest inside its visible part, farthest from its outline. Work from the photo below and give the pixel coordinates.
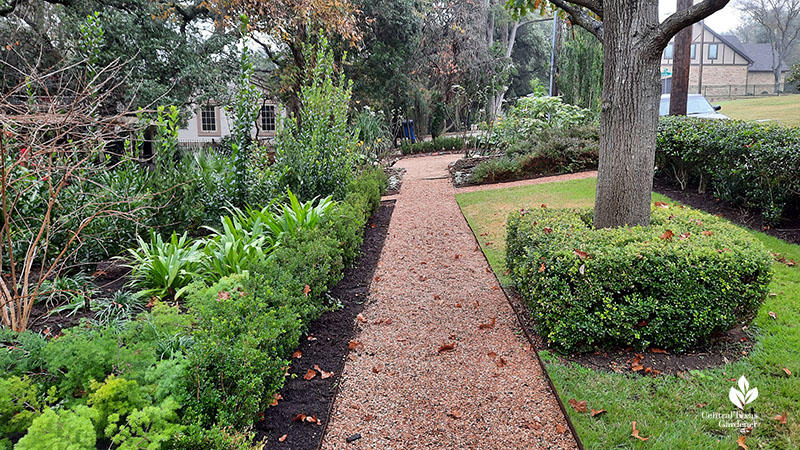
(671, 285)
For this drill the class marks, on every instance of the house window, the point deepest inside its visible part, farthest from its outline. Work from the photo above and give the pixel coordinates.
(669, 51)
(694, 50)
(712, 51)
(209, 120)
(267, 118)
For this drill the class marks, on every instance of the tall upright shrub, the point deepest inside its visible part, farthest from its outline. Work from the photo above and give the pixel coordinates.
(316, 151)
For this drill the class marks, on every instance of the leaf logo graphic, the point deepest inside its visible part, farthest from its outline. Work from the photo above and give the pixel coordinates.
(743, 395)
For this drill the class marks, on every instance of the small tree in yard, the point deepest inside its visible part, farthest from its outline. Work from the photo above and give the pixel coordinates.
(633, 40)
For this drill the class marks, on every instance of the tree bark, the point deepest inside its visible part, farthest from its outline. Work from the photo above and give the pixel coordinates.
(680, 66)
(629, 120)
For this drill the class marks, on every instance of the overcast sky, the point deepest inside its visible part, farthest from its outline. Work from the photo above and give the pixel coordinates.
(722, 21)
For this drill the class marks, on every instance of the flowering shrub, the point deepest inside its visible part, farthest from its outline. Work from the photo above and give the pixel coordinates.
(531, 115)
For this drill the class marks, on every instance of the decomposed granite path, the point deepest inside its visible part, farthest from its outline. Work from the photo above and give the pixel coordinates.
(439, 362)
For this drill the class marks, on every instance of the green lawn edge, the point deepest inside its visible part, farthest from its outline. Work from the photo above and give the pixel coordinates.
(665, 407)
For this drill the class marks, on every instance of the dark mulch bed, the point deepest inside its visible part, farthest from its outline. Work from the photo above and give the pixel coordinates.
(110, 277)
(724, 348)
(788, 229)
(332, 333)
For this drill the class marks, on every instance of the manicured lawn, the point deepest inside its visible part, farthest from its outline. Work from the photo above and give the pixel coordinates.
(666, 407)
(785, 109)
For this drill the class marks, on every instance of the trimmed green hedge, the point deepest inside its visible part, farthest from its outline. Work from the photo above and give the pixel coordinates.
(670, 285)
(183, 378)
(746, 163)
(440, 144)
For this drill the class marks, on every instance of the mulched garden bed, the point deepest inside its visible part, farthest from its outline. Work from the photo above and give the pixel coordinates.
(724, 348)
(326, 346)
(788, 230)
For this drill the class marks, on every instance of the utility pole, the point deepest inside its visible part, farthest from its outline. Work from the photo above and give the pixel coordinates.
(681, 61)
(553, 58)
(700, 56)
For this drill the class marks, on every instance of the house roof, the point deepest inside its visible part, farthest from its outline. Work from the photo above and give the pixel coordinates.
(759, 55)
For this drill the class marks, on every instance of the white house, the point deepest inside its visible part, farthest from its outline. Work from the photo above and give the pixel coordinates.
(210, 123)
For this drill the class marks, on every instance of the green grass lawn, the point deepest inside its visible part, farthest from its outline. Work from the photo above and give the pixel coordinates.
(665, 407)
(785, 109)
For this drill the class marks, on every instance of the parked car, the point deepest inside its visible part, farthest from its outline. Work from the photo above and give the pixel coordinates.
(696, 106)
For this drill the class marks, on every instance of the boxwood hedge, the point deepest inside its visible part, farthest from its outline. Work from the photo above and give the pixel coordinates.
(670, 285)
(746, 163)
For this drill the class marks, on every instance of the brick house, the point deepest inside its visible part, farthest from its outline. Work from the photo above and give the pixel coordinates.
(721, 65)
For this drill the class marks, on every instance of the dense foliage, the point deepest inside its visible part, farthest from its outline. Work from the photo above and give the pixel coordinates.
(670, 285)
(130, 384)
(316, 151)
(745, 163)
(554, 151)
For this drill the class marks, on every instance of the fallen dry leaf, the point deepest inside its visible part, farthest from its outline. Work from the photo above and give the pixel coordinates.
(544, 205)
(485, 326)
(773, 315)
(377, 369)
(492, 355)
(581, 254)
(322, 373)
(661, 205)
(597, 412)
(560, 429)
(635, 433)
(297, 354)
(500, 362)
(306, 290)
(361, 318)
(275, 399)
(781, 419)
(579, 406)
(446, 347)
(300, 417)
(787, 371)
(355, 344)
(740, 442)
(547, 230)
(312, 419)
(377, 278)
(707, 232)
(541, 268)
(701, 405)
(455, 414)
(310, 374)
(667, 235)
(311, 337)
(658, 350)
(282, 438)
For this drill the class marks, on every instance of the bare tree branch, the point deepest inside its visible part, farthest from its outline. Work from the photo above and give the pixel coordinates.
(579, 16)
(678, 21)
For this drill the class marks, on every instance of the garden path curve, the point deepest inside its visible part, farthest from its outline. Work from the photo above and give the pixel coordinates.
(400, 389)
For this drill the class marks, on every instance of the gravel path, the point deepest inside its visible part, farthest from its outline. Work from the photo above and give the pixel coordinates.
(551, 179)
(439, 361)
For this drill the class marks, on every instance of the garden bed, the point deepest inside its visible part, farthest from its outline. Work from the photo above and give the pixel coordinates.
(788, 230)
(328, 350)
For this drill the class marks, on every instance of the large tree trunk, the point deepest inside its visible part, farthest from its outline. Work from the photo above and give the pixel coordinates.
(680, 67)
(777, 73)
(629, 119)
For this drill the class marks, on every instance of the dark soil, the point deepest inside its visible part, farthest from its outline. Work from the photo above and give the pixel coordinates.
(724, 348)
(331, 335)
(788, 229)
(110, 277)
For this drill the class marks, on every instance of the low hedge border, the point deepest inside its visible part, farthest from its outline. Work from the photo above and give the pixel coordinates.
(670, 285)
(183, 377)
(746, 163)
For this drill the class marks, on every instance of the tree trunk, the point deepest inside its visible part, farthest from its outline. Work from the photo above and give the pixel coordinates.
(777, 73)
(680, 67)
(629, 120)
